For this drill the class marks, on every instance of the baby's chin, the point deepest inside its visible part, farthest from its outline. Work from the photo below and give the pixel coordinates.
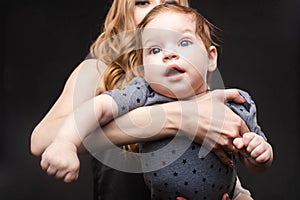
(176, 93)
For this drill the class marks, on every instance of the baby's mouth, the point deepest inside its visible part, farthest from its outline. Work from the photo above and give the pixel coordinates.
(173, 70)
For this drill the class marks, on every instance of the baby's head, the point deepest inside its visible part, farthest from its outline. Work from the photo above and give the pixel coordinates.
(178, 50)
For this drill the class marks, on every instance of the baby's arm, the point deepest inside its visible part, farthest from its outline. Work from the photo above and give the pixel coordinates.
(255, 152)
(60, 157)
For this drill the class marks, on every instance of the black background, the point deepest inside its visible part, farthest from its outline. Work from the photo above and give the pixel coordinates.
(44, 41)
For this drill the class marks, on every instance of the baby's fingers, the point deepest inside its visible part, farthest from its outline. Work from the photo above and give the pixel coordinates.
(263, 158)
(258, 149)
(264, 153)
(247, 138)
(238, 143)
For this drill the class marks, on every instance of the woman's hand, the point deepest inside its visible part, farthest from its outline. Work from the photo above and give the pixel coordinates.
(60, 160)
(210, 122)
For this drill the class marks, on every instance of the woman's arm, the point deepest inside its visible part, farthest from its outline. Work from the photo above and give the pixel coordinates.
(193, 117)
(60, 157)
(80, 87)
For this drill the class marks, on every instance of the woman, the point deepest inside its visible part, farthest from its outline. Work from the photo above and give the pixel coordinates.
(90, 78)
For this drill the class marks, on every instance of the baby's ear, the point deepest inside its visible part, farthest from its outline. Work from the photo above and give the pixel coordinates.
(212, 58)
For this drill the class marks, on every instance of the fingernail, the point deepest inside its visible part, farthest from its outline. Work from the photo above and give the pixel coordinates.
(179, 198)
(227, 196)
(230, 164)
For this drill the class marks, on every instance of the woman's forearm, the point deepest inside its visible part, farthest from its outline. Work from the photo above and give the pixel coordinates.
(40, 141)
(139, 125)
(193, 117)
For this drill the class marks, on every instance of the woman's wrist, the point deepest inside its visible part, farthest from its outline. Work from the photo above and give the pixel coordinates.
(173, 119)
(183, 116)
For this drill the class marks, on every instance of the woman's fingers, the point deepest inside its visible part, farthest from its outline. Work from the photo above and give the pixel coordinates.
(225, 197)
(68, 173)
(44, 164)
(71, 176)
(61, 174)
(233, 95)
(223, 156)
(243, 128)
(67, 176)
(51, 170)
(180, 198)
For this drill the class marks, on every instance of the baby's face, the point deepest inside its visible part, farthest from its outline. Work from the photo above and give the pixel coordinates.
(174, 57)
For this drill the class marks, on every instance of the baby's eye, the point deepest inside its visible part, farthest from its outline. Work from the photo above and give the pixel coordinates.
(155, 50)
(142, 3)
(185, 43)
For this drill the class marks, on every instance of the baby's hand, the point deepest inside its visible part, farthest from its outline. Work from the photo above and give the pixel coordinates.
(60, 160)
(254, 147)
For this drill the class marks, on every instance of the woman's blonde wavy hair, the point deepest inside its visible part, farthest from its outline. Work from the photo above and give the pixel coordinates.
(115, 45)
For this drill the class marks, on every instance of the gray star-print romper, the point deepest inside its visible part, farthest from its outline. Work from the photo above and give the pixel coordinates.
(173, 166)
